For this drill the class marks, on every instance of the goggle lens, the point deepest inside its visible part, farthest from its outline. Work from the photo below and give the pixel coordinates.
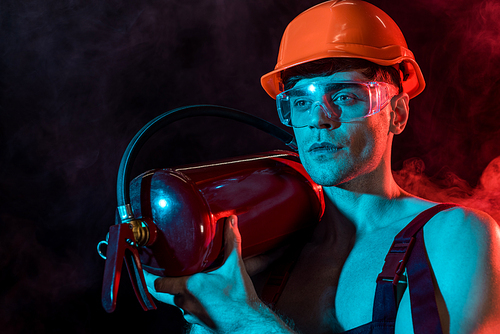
(340, 101)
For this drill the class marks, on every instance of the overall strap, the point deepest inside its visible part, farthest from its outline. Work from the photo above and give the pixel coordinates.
(423, 302)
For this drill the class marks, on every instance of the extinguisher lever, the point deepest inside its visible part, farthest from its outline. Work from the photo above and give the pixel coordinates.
(121, 245)
(136, 274)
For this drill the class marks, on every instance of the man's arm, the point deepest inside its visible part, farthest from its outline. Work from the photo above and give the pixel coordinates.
(265, 321)
(223, 300)
(463, 247)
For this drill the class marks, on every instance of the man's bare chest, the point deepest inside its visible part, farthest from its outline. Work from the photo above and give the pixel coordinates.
(332, 289)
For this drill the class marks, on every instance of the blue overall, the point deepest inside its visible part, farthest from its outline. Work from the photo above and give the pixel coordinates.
(423, 302)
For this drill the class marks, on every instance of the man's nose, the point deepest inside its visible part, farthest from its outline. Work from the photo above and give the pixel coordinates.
(321, 117)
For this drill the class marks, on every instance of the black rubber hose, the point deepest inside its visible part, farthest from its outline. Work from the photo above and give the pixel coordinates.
(180, 113)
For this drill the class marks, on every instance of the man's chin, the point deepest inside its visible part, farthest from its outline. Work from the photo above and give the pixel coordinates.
(323, 174)
(327, 180)
(328, 175)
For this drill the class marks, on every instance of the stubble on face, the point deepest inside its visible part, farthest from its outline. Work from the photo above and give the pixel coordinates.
(362, 146)
(359, 146)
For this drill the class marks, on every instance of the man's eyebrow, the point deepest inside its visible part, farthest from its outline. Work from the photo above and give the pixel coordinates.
(301, 91)
(341, 85)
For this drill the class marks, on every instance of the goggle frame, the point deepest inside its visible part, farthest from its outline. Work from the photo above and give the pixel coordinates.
(380, 96)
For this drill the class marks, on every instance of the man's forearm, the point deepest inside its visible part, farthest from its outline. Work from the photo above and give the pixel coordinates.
(253, 320)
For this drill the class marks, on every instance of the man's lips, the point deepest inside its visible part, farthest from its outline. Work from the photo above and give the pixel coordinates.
(323, 148)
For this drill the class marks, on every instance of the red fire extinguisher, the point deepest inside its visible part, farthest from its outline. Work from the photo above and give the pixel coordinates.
(170, 220)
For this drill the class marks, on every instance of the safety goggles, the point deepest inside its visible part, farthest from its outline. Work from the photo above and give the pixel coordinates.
(341, 101)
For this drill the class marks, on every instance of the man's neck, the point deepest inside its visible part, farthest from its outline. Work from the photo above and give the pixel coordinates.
(368, 210)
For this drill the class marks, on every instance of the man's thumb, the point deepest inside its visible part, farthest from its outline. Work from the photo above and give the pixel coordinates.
(232, 237)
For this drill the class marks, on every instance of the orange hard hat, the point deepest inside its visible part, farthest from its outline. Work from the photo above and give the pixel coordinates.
(344, 29)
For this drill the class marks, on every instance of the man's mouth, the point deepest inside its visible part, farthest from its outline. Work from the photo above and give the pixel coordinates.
(323, 148)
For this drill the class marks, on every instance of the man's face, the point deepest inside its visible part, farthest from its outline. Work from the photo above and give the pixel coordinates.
(334, 153)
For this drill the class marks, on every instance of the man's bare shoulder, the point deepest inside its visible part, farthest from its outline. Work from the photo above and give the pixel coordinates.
(459, 235)
(457, 221)
(463, 247)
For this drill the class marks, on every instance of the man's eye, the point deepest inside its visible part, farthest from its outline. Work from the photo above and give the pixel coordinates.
(302, 104)
(345, 99)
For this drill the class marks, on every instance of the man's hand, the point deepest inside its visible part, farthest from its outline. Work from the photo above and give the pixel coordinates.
(223, 300)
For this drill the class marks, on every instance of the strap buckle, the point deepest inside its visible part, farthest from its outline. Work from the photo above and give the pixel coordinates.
(396, 259)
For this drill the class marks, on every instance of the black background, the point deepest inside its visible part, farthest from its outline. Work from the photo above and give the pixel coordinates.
(80, 77)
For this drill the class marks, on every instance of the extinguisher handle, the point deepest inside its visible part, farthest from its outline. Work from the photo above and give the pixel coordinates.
(121, 246)
(174, 115)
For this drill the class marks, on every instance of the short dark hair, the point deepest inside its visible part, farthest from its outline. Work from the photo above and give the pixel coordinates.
(329, 66)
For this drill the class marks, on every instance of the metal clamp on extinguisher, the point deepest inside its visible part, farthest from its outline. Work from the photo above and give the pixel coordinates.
(170, 220)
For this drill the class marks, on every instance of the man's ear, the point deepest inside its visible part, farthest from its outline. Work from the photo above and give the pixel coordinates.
(400, 113)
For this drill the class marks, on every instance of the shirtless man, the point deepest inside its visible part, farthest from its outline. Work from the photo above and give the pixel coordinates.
(345, 100)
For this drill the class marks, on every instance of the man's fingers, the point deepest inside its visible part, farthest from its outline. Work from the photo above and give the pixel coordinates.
(150, 280)
(171, 285)
(158, 294)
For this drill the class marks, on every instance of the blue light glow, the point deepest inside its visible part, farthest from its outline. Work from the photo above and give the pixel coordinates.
(162, 203)
(311, 88)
